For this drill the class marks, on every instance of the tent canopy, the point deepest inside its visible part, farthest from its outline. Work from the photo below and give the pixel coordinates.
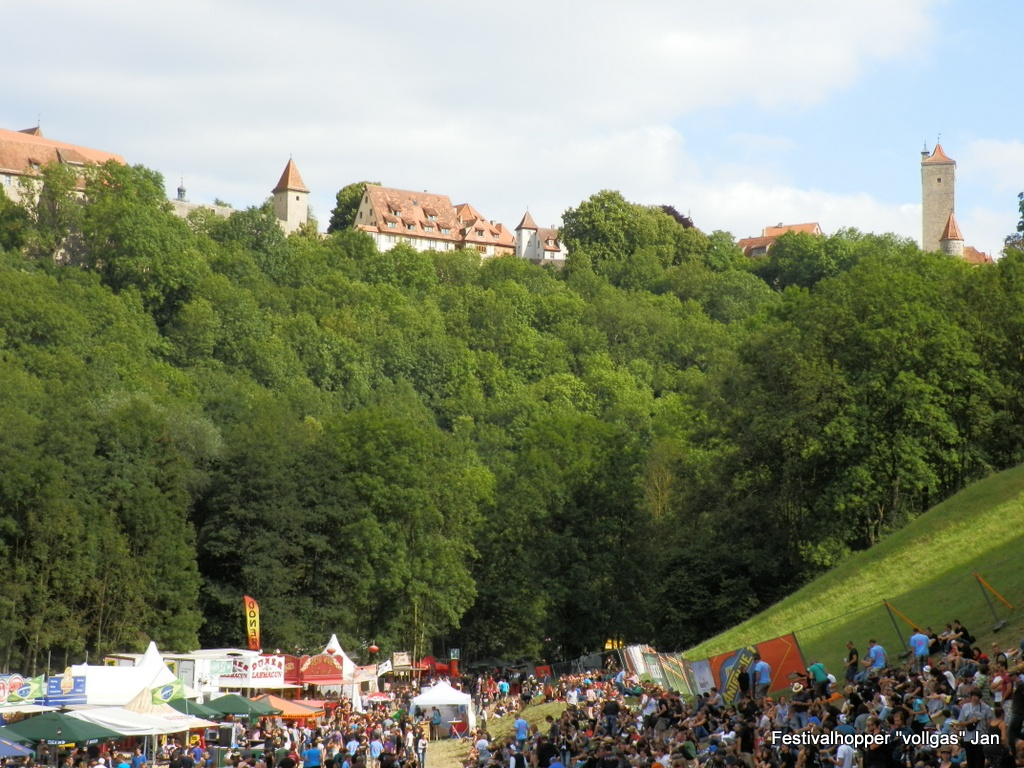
(10, 749)
(189, 707)
(290, 708)
(56, 728)
(454, 705)
(233, 704)
(143, 704)
(115, 686)
(125, 722)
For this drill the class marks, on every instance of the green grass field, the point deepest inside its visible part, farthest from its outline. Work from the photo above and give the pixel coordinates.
(923, 570)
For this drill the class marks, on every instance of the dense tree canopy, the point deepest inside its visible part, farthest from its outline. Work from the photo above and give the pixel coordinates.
(423, 449)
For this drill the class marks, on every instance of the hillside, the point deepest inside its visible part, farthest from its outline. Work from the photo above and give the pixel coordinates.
(923, 570)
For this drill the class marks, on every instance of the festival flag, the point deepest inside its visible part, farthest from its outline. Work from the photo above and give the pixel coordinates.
(252, 623)
(165, 693)
(384, 667)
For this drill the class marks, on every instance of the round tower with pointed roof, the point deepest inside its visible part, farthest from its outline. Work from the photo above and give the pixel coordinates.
(291, 199)
(952, 241)
(938, 188)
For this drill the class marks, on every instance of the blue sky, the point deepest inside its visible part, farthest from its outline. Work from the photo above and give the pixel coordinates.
(743, 112)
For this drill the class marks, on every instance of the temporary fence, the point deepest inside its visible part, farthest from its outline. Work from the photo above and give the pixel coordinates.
(985, 601)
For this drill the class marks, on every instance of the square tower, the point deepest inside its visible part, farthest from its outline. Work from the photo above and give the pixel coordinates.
(938, 186)
(291, 199)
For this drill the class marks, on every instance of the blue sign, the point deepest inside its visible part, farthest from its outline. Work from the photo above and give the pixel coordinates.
(65, 689)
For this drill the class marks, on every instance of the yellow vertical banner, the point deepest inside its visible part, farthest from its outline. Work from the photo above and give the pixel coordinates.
(252, 623)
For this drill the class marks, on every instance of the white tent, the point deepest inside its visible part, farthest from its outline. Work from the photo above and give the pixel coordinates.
(127, 723)
(348, 672)
(454, 705)
(116, 686)
(143, 704)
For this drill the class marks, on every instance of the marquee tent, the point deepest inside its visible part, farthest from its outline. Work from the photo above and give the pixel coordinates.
(125, 722)
(143, 704)
(454, 705)
(108, 686)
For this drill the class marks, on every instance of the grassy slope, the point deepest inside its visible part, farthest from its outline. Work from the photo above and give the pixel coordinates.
(924, 570)
(450, 753)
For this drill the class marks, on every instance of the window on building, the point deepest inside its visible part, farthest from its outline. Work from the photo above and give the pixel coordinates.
(427, 228)
(445, 231)
(392, 225)
(432, 217)
(410, 226)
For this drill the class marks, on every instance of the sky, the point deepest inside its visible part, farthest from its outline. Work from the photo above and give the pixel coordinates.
(743, 113)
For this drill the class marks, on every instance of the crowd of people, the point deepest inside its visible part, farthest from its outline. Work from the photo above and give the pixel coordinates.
(944, 704)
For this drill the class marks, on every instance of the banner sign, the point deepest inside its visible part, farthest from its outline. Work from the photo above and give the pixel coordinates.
(252, 623)
(702, 677)
(402, 659)
(652, 669)
(10, 686)
(384, 667)
(365, 674)
(257, 672)
(781, 653)
(65, 689)
(675, 668)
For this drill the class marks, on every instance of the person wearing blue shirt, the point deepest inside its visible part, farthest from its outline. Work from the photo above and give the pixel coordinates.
(919, 645)
(313, 757)
(876, 658)
(761, 676)
(522, 732)
(376, 749)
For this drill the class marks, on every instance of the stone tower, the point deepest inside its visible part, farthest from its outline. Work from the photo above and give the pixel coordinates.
(938, 184)
(952, 242)
(291, 199)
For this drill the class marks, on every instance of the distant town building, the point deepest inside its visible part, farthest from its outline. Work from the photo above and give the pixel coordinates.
(939, 228)
(24, 153)
(759, 246)
(291, 199)
(488, 238)
(428, 222)
(538, 244)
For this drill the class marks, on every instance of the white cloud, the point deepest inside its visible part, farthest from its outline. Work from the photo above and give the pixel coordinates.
(1000, 163)
(505, 105)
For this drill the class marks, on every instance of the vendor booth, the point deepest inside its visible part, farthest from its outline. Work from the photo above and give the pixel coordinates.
(455, 706)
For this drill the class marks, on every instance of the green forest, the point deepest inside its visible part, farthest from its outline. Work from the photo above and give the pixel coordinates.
(426, 451)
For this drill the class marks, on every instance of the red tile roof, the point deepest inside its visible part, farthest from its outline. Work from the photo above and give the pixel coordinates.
(769, 234)
(387, 205)
(21, 153)
(973, 256)
(938, 156)
(527, 222)
(811, 228)
(548, 239)
(748, 244)
(290, 181)
(952, 230)
(477, 230)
